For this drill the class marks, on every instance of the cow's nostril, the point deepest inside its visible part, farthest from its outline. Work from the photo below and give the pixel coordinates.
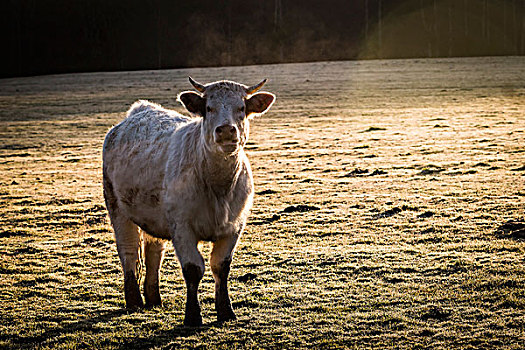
(226, 130)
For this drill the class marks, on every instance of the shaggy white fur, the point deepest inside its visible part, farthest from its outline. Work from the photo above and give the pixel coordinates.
(182, 179)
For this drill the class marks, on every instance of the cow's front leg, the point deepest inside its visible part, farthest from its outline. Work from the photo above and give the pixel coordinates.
(192, 263)
(221, 258)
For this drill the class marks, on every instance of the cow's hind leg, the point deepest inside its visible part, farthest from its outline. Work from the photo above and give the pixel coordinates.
(127, 238)
(220, 261)
(154, 254)
(192, 264)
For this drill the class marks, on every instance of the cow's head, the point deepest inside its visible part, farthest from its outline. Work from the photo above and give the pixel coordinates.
(226, 107)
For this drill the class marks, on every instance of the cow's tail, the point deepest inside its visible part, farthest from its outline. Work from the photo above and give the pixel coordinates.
(141, 265)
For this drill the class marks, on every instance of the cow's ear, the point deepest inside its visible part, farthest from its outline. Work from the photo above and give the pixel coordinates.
(259, 103)
(193, 102)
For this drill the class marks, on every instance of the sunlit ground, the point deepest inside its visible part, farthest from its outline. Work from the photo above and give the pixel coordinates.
(408, 169)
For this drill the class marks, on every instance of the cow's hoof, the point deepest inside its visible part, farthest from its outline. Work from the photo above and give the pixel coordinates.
(193, 321)
(134, 303)
(152, 305)
(153, 301)
(132, 293)
(134, 308)
(226, 316)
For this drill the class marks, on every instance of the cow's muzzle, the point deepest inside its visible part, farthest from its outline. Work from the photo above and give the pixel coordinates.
(227, 137)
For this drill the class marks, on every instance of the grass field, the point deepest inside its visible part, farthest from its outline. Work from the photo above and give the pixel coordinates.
(411, 232)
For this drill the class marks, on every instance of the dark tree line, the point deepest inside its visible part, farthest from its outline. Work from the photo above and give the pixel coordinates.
(54, 36)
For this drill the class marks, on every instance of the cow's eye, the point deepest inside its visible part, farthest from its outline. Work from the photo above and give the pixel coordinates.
(208, 109)
(241, 109)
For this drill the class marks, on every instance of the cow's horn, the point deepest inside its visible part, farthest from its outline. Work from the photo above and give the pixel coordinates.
(198, 86)
(256, 87)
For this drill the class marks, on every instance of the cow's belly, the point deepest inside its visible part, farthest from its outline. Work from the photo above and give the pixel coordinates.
(205, 224)
(151, 221)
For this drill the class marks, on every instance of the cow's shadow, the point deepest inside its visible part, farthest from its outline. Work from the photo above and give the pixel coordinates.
(55, 336)
(165, 339)
(85, 324)
(161, 339)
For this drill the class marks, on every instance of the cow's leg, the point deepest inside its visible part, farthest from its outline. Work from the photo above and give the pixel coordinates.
(127, 238)
(192, 263)
(154, 253)
(221, 258)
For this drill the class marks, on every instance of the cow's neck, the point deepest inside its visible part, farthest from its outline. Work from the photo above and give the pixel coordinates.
(221, 172)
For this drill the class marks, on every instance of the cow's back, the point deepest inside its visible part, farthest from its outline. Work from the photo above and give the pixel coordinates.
(145, 123)
(143, 135)
(135, 155)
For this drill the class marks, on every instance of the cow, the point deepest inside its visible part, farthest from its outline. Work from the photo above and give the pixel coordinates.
(184, 179)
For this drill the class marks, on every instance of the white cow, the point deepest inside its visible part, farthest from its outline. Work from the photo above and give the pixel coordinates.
(186, 180)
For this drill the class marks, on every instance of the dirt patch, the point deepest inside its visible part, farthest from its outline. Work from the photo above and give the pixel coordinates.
(426, 214)
(512, 229)
(267, 192)
(396, 210)
(431, 171)
(435, 313)
(301, 208)
(364, 172)
(374, 128)
(357, 172)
